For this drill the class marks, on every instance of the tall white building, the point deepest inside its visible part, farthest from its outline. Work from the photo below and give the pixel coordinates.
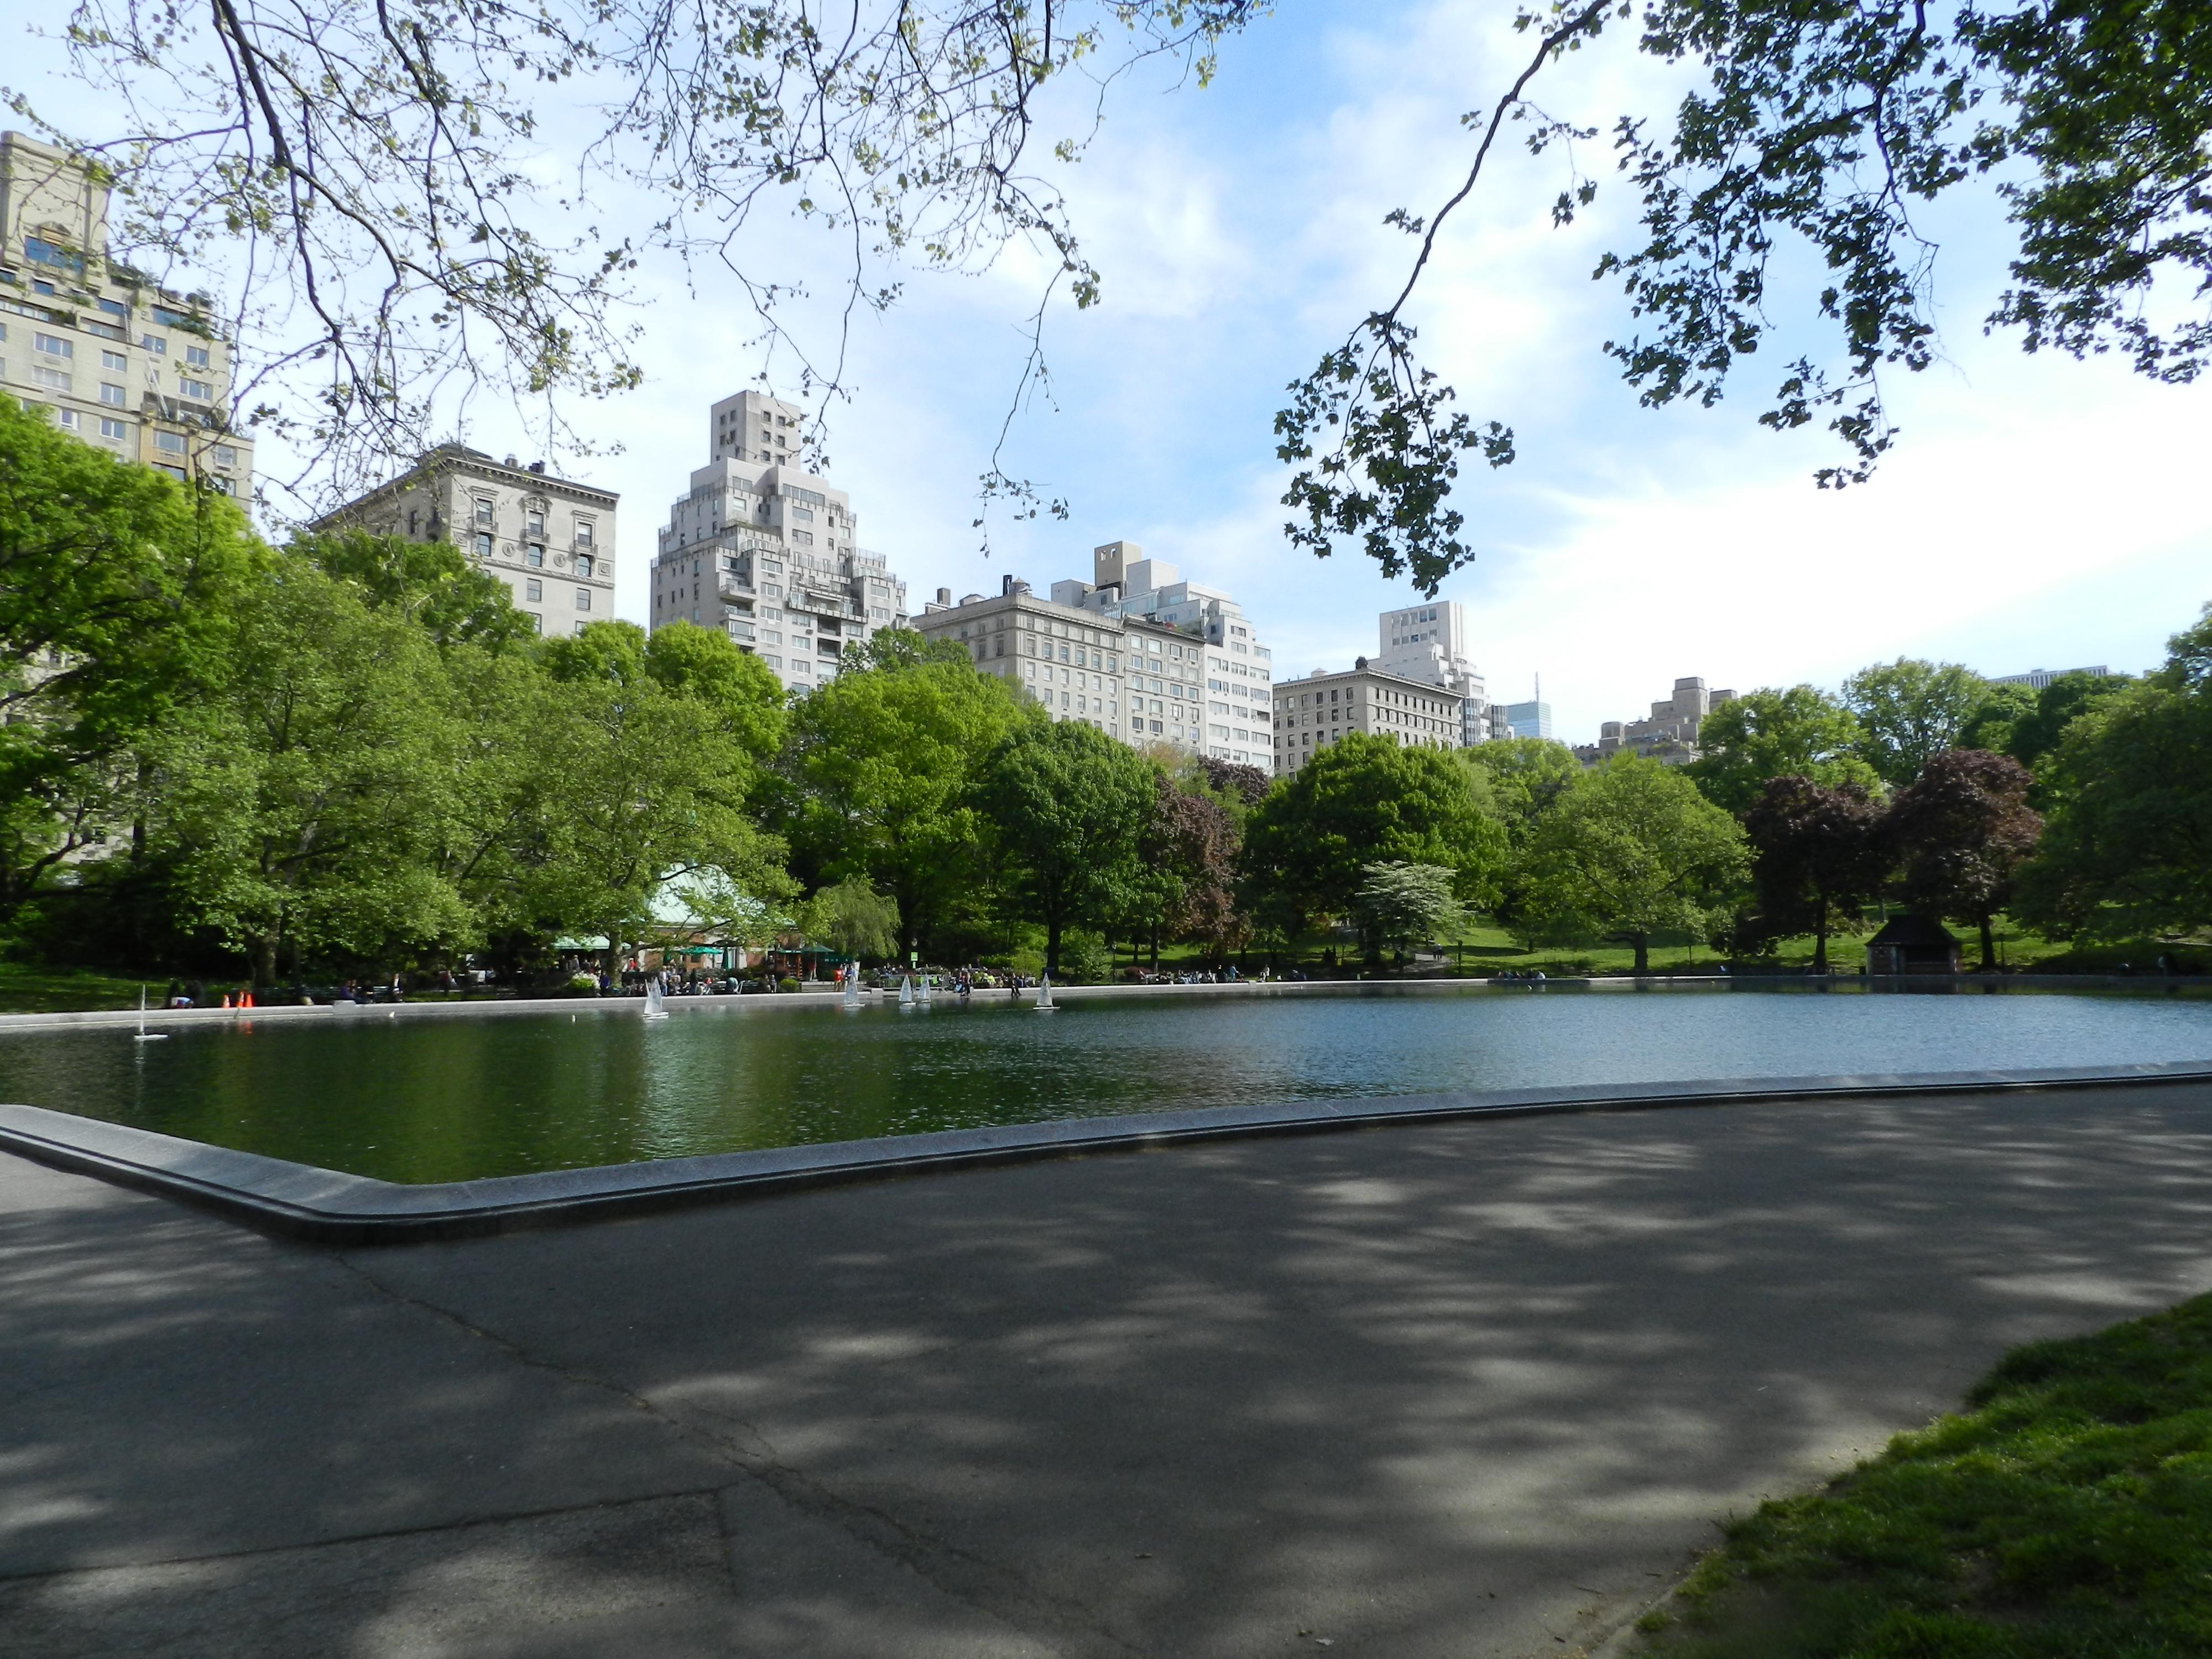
(765, 550)
(1428, 642)
(123, 362)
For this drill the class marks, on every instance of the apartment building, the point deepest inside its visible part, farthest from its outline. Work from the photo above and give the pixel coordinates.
(1232, 717)
(1428, 642)
(1668, 735)
(1140, 682)
(551, 540)
(2036, 678)
(141, 372)
(1312, 713)
(765, 550)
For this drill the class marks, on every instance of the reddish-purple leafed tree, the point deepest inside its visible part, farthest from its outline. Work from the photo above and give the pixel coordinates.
(1962, 830)
(1818, 855)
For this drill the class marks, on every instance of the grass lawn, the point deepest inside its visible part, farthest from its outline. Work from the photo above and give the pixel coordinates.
(28, 990)
(2068, 1513)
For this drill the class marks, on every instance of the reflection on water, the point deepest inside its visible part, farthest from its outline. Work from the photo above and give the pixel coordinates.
(451, 1098)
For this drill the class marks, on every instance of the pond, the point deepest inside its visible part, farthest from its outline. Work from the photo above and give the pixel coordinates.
(457, 1096)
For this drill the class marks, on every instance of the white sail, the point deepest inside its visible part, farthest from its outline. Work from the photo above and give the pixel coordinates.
(906, 991)
(655, 1002)
(1044, 1002)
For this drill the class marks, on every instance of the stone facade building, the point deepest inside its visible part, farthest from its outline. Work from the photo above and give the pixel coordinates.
(1669, 736)
(1144, 656)
(765, 550)
(1312, 713)
(550, 540)
(126, 364)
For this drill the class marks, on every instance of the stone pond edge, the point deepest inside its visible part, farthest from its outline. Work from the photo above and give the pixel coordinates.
(324, 1206)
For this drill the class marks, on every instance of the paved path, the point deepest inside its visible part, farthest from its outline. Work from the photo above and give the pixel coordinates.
(1469, 1390)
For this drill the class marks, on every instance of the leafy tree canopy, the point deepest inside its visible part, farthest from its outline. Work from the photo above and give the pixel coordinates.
(117, 607)
(1909, 711)
(2034, 736)
(1818, 854)
(883, 761)
(1399, 903)
(855, 918)
(1520, 779)
(433, 583)
(1363, 799)
(1801, 732)
(1962, 830)
(2128, 850)
(1067, 804)
(1631, 851)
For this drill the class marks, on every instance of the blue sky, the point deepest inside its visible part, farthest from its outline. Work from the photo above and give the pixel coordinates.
(2039, 513)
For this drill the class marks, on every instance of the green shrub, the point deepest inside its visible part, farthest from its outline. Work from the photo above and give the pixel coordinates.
(787, 983)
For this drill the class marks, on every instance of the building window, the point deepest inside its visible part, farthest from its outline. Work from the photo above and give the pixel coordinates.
(111, 394)
(154, 343)
(225, 455)
(534, 556)
(534, 521)
(483, 544)
(115, 307)
(171, 443)
(53, 377)
(196, 356)
(583, 598)
(114, 360)
(583, 564)
(68, 418)
(583, 532)
(53, 345)
(537, 621)
(198, 390)
(111, 427)
(483, 510)
(532, 589)
(176, 472)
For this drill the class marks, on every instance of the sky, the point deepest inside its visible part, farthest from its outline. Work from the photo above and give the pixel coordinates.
(2038, 513)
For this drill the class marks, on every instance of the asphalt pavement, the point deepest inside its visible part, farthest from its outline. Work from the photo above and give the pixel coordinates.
(1469, 1388)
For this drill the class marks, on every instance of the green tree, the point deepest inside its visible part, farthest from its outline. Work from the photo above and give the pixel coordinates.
(855, 918)
(1990, 727)
(1401, 904)
(302, 802)
(1801, 732)
(1633, 851)
(1818, 855)
(1067, 804)
(655, 771)
(1909, 710)
(2127, 851)
(434, 584)
(884, 760)
(1520, 779)
(2035, 735)
(119, 592)
(1361, 800)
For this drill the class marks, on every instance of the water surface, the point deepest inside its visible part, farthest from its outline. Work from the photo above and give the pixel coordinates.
(454, 1097)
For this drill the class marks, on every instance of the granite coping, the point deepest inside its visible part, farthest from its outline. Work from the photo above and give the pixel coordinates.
(632, 1006)
(327, 1207)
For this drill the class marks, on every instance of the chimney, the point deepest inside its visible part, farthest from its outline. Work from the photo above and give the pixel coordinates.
(945, 597)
